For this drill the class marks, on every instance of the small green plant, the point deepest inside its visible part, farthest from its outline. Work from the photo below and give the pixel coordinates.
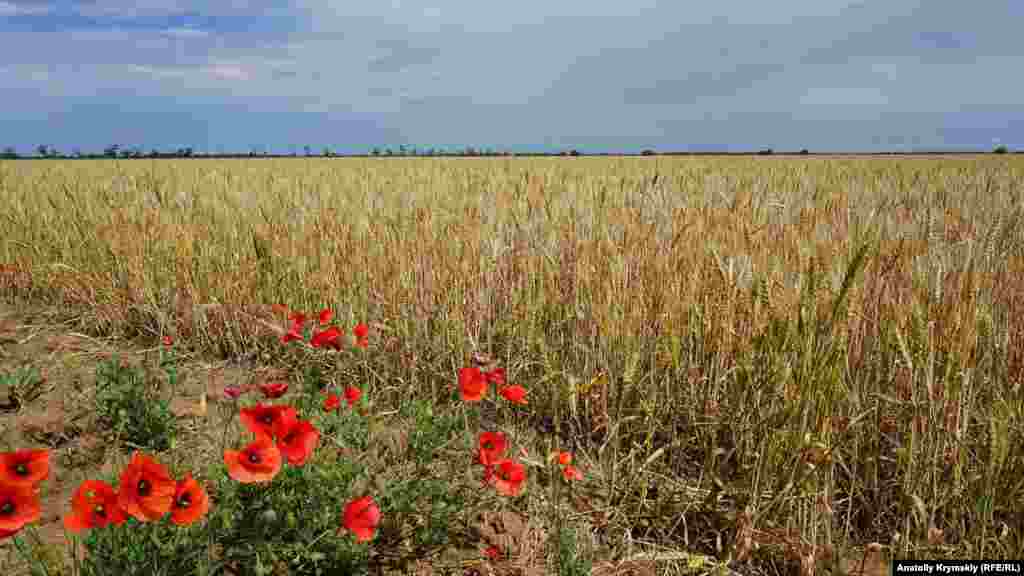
(571, 562)
(127, 405)
(20, 387)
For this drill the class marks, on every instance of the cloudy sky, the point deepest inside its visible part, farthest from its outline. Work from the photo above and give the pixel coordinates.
(597, 75)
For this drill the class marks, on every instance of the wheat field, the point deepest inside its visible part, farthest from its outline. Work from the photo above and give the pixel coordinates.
(800, 353)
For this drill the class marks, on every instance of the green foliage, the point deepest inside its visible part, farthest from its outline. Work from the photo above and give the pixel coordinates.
(292, 520)
(430, 432)
(570, 561)
(140, 549)
(127, 405)
(22, 386)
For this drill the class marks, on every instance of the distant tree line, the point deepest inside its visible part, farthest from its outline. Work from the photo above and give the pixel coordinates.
(116, 151)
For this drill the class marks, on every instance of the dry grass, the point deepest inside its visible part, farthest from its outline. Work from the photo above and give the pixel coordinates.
(672, 318)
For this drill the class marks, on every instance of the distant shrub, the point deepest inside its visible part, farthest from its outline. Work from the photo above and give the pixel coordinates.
(765, 152)
(1000, 150)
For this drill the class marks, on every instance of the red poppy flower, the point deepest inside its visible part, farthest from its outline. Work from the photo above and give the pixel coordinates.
(569, 472)
(191, 502)
(273, 389)
(94, 505)
(332, 402)
(295, 333)
(146, 490)
(260, 461)
(297, 439)
(361, 332)
(516, 394)
(24, 468)
(472, 385)
(492, 553)
(167, 341)
(261, 418)
(361, 517)
(563, 458)
(492, 447)
(232, 391)
(496, 377)
(352, 395)
(508, 477)
(329, 338)
(325, 316)
(19, 505)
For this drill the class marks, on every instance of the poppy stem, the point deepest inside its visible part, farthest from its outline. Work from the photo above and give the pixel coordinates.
(75, 567)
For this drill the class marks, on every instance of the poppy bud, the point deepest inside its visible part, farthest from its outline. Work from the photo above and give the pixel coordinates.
(269, 516)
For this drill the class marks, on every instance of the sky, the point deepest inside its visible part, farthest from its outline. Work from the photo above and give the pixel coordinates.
(527, 75)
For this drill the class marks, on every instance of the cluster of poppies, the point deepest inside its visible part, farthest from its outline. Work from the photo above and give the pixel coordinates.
(146, 492)
(328, 336)
(474, 382)
(21, 472)
(280, 436)
(506, 475)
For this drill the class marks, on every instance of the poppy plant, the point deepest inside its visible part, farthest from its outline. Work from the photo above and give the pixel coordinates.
(19, 506)
(296, 440)
(361, 332)
(507, 477)
(332, 402)
(146, 489)
(329, 338)
(273, 389)
(496, 377)
(167, 341)
(361, 517)
(325, 316)
(94, 505)
(472, 385)
(262, 418)
(570, 472)
(488, 474)
(295, 333)
(232, 391)
(564, 458)
(24, 468)
(191, 502)
(515, 394)
(492, 447)
(260, 461)
(352, 395)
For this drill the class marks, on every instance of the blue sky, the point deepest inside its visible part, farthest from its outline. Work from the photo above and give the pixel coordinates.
(596, 75)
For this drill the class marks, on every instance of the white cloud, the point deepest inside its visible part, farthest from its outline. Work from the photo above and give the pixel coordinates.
(185, 33)
(228, 72)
